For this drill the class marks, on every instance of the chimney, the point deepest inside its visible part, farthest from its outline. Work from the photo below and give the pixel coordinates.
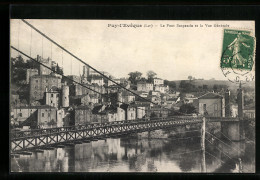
(227, 104)
(240, 101)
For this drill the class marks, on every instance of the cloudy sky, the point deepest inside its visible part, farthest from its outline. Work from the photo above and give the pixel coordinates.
(173, 53)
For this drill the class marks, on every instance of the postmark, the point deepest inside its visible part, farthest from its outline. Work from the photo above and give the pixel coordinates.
(238, 55)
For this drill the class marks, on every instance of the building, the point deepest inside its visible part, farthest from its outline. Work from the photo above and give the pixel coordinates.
(52, 97)
(158, 81)
(249, 111)
(47, 62)
(38, 85)
(80, 100)
(130, 111)
(73, 79)
(88, 72)
(108, 113)
(60, 117)
(82, 115)
(46, 116)
(127, 97)
(144, 86)
(30, 73)
(158, 112)
(212, 104)
(23, 113)
(97, 80)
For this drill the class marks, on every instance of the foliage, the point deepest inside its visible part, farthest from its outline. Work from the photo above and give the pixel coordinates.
(171, 84)
(150, 76)
(187, 109)
(190, 78)
(187, 86)
(134, 77)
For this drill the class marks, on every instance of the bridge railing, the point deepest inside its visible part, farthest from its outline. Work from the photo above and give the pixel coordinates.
(48, 131)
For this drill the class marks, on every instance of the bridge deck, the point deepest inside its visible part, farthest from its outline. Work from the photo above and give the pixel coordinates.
(35, 139)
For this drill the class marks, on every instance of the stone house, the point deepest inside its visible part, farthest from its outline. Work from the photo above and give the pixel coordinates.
(212, 104)
(130, 111)
(82, 115)
(144, 86)
(39, 84)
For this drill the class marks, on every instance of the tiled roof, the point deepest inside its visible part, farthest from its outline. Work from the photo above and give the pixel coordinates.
(210, 95)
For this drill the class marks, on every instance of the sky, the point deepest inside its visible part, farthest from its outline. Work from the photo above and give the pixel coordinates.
(173, 53)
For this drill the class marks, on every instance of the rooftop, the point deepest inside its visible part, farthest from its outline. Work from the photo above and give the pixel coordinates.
(210, 95)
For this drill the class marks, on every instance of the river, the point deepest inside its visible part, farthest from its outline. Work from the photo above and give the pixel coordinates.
(133, 154)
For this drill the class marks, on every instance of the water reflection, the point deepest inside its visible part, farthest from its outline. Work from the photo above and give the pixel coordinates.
(135, 155)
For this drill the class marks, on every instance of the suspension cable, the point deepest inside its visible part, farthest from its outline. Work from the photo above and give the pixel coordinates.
(86, 63)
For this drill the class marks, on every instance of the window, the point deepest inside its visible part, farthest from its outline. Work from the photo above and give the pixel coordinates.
(46, 80)
(36, 81)
(36, 87)
(21, 114)
(204, 108)
(49, 114)
(58, 95)
(42, 114)
(51, 101)
(51, 95)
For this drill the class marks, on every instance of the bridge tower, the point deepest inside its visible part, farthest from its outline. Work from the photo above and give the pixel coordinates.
(233, 129)
(227, 104)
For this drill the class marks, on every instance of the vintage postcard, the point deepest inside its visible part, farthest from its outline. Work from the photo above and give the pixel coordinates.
(132, 96)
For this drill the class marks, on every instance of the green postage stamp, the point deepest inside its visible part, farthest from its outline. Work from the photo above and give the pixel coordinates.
(238, 54)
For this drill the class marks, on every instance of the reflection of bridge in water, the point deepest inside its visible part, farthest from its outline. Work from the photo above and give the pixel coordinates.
(58, 137)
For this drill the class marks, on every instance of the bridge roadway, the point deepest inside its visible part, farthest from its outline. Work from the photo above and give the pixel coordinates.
(34, 140)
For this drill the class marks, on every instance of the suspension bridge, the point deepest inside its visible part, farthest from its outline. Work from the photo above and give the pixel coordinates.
(25, 142)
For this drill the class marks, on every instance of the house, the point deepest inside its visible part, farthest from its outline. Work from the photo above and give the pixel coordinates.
(108, 113)
(249, 111)
(175, 94)
(82, 115)
(80, 100)
(155, 99)
(94, 98)
(158, 81)
(47, 116)
(130, 111)
(160, 88)
(22, 113)
(52, 97)
(158, 112)
(127, 97)
(97, 80)
(144, 86)
(38, 85)
(60, 117)
(212, 104)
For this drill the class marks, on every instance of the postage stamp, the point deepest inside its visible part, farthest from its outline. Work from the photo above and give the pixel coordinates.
(238, 55)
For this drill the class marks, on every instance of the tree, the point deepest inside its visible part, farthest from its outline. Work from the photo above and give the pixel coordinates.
(171, 84)
(190, 78)
(134, 77)
(150, 76)
(187, 109)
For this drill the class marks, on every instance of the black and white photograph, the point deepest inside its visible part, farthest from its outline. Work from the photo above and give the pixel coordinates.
(96, 95)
